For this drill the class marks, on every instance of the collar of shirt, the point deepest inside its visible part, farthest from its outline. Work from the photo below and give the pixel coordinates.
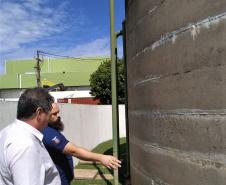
(30, 129)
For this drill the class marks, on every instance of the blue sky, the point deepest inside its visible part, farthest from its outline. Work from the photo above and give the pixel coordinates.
(70, 27)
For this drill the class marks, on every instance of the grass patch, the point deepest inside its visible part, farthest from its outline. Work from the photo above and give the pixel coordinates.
(107, 149)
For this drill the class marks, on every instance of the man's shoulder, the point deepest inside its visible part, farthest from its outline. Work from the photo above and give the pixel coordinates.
(54, 138)
(10, 131)
(49, 133)
(50, 130)
(6, 128)
(14, 134)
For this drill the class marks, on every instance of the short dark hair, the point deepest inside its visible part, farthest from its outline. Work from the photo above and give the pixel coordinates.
(31, 99)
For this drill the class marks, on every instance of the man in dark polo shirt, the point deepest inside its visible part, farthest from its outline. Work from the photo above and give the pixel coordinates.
(61, 150)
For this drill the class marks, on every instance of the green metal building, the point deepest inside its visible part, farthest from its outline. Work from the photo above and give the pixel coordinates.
(74, 73)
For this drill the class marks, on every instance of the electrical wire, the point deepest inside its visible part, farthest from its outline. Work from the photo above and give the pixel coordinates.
(64, 56)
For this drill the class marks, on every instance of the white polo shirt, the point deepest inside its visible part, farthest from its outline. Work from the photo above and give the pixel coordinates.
(23, 157)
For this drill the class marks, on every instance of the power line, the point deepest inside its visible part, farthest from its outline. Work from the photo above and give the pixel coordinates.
(40, 62)
(64, 56)
(51, 54)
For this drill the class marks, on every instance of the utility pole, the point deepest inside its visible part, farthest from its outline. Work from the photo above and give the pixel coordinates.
(38, 69)
(115, 117)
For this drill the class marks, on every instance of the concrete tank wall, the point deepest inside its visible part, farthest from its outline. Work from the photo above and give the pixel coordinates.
(176, 53)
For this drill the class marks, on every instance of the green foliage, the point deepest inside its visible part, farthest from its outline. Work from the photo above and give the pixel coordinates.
(100, 82)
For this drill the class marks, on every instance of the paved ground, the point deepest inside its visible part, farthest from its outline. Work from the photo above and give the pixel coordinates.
(85, 174)
(88, 174)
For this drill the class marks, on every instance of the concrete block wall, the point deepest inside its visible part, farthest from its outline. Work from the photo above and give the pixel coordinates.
(176, 54)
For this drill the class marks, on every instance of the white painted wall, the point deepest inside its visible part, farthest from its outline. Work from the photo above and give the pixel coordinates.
(7, 112)
(89, 125)
(85, 125)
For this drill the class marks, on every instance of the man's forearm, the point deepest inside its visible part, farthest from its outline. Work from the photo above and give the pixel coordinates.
(82, 153)
(109, 161)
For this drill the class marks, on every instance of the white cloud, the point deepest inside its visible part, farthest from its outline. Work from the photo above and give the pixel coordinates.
(97, 47)
(24, 21)
(22, 53)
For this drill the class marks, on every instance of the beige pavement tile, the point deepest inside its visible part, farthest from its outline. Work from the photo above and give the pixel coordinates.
(85, 173)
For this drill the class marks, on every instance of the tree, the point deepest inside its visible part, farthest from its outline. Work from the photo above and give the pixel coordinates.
(100, 82)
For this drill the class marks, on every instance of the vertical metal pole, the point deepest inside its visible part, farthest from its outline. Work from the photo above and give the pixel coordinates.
(5, 68)
(126, 98)
(48, 66)
(37, 67)
(20, 81)
(115, 118)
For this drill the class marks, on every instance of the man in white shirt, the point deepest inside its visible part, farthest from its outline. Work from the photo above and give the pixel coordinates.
(23, 157)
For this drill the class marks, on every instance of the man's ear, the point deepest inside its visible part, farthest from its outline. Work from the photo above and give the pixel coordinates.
(39, 110)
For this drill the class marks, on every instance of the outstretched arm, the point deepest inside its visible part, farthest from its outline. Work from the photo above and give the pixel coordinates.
(107, 160)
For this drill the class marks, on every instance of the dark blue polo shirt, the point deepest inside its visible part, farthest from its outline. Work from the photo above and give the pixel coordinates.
(55, 142)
